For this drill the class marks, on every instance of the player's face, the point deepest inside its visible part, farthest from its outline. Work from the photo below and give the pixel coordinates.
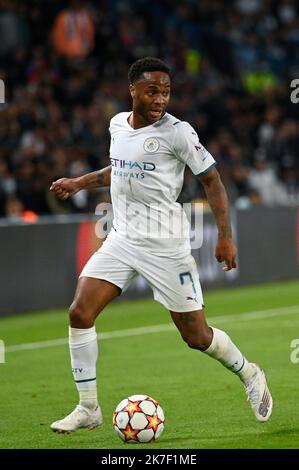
(151, 95)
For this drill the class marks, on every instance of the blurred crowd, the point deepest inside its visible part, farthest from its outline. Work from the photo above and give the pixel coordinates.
(65, 64)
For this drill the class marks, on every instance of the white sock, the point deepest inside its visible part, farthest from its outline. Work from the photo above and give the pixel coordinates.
(84, 353)
(225, 351)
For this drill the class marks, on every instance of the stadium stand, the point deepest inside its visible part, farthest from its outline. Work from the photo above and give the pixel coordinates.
(60, 94)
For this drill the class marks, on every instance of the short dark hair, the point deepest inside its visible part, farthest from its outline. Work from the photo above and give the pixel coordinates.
(147, 64)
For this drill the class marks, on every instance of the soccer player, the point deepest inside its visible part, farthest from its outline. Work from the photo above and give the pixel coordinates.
(149, 151)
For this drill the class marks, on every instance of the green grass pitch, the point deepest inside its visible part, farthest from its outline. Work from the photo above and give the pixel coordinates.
(205, 405)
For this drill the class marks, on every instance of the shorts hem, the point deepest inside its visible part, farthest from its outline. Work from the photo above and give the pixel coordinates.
(181, 310)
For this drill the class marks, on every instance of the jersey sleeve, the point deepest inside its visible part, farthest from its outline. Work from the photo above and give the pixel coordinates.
(189, 150)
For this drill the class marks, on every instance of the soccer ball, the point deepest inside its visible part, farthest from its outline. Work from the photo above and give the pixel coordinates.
(138, 418)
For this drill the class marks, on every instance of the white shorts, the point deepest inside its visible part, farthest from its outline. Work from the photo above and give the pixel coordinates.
(174, 281)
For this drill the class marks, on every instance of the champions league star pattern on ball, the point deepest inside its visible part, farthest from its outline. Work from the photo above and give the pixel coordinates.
(138, 418)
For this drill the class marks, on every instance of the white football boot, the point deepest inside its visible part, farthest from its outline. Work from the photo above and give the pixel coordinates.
(259, 395)
(79, 418)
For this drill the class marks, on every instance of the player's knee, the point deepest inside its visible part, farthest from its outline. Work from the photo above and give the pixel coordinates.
(79, 318)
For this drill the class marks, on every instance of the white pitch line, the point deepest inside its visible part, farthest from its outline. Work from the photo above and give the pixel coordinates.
(256, 315)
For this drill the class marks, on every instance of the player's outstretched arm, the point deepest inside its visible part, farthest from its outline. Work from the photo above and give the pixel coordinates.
(218, 201)
(66, 187)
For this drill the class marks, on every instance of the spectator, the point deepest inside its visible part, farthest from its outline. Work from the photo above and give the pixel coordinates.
(73, 31)
(14, 29)
(262, 178)
(14, 212)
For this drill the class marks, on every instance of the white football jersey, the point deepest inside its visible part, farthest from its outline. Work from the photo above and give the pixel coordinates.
(147, 177)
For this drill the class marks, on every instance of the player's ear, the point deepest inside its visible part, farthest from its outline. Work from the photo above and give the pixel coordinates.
(132, 91)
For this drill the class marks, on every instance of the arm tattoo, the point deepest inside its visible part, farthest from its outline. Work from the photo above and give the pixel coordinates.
(218, 201)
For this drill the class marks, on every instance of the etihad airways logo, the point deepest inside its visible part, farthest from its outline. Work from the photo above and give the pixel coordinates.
(131, 165)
